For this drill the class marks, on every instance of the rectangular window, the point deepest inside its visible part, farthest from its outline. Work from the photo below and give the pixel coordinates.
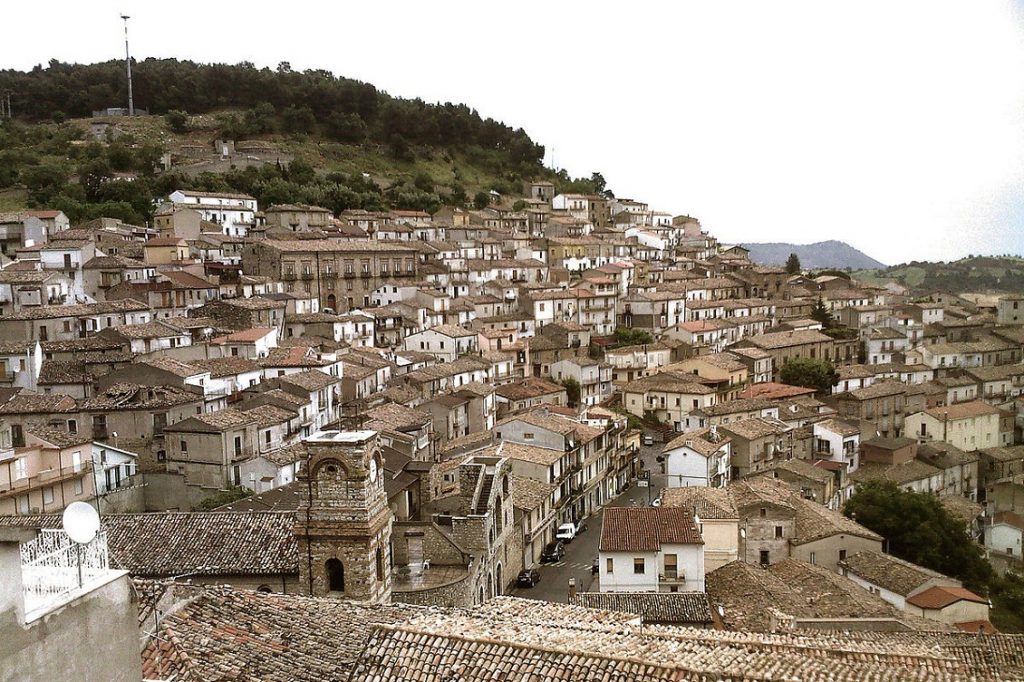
(813, 558)
(842, 555)
(184, 446)
(671, 566)
(609, 565)
(638, 566)
(778, 532)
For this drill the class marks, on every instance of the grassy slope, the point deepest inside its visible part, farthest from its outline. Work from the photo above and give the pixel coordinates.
(445, 168)
(977, 274)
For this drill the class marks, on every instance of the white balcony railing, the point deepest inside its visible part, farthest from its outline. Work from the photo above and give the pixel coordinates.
(53, 567)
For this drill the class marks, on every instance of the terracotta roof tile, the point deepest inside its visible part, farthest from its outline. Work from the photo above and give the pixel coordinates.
(646, 529)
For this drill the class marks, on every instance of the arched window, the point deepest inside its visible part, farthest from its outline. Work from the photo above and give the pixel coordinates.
(335, 575)
(263, 588)
(504, 485)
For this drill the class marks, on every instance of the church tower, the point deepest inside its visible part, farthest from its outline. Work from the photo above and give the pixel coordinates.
(343, 524)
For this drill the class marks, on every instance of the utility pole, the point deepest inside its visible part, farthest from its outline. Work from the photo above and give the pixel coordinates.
(128, 65)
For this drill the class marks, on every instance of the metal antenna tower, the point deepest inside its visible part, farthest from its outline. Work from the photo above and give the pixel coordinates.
(128, 65)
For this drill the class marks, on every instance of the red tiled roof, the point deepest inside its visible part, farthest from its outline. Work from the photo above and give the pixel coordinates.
(646, 529)
(941, 597)
(248, 335)
(773, 389)
(975, 626)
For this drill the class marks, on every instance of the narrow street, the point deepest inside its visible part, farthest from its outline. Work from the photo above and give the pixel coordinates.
(581, 552)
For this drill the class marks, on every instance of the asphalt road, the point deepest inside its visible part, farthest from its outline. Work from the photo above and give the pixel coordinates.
(581, 552)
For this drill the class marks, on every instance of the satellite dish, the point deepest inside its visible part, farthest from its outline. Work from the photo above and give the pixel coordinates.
(81, 522)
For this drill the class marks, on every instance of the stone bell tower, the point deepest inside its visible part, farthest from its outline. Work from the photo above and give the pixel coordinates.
(343, 523)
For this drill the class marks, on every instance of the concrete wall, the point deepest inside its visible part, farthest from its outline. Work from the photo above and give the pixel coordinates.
(721, 542)
(167, 492)
(94, 638)
(957, 612)
(826, 551)
(623, 578)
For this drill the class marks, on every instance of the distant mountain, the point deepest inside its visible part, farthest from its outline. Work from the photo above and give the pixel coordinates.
(830, 254)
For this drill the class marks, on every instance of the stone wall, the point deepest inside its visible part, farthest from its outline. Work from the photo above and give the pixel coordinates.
(457, 594)
(438, 548)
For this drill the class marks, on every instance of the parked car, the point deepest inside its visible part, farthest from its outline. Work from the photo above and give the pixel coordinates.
(552, 552)
(567, 532)
(528, 577)
(648, 439)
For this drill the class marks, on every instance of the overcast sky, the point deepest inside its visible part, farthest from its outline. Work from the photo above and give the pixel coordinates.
(895, 126)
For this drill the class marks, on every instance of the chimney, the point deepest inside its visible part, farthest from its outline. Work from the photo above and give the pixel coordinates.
(572, 588)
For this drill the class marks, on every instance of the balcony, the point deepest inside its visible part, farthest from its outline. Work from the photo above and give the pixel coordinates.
(308, 274)
(55, 569)
(671, 576)
(288, 276)
(366, 274)
(329, 274)
(45, 478)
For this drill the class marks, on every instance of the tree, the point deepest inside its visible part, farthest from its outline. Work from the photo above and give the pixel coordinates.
(793, 264)
(810, 373)
(920, 530)
(481, 200)
(820, 314)
(347, 128)
(298, 120)
(624, 336)
(177, 121)
(223, 497)
(572, 391)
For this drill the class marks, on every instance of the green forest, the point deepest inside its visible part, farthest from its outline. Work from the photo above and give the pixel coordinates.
(429, 154)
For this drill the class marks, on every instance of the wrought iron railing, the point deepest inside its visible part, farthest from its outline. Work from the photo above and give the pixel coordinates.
(53, 566)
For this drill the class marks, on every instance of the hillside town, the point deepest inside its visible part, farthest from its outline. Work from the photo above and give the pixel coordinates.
(563, 436)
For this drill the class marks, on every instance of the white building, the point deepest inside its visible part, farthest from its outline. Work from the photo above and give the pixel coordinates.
(651, 549)
(252, 343)
(837, 441)
(699, 458)
(446, 342)
(235, 213)
(1005, 533)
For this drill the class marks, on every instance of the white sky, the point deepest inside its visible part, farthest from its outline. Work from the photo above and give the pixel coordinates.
(895, 126)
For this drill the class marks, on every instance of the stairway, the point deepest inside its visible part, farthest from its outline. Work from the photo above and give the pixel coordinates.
(485, 495)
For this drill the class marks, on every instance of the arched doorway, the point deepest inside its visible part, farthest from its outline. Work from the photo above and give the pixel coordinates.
(335, 575)
(498, 583)
(332, 302)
